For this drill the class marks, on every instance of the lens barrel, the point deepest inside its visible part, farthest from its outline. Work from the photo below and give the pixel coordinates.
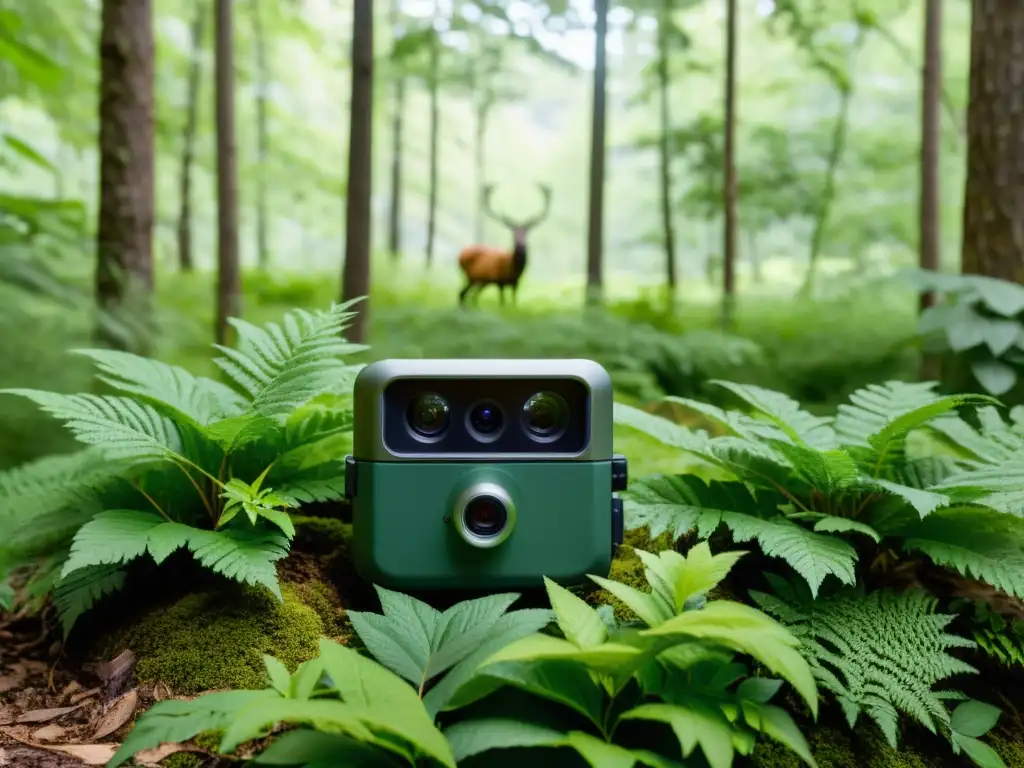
(545, 416)
(486, 419)
(429, 415)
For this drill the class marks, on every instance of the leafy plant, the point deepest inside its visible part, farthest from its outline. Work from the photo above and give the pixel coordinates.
(981, 319)
(170, 459)
(1000, 637)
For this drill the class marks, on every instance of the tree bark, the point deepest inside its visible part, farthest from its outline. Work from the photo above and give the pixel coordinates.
(666, 153)
(397, 115)
(195, 69)
(993, 223)
(931, 102)
(595, 225)
(356, 276)
(434, 129)
(729, 191)
(262, 137)
(229, 280)
(124, 266)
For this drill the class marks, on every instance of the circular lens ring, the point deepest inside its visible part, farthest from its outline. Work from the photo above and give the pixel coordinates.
(561, 410)
(485, 516)
(482, 435)
(496, 494)
(415, 413)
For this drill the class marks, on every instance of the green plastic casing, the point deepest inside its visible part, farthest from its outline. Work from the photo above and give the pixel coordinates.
(405, 508)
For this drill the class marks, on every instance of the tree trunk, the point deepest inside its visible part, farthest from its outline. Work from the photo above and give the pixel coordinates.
(595, 225)
(398, 112)
(262, 137)
(229, 282)
(729, 191)
(195, 69)
(931, 103)
(993, 225)
(124, 266)
(356, 277)
(483, 109)
(434, 129)
(665, 153)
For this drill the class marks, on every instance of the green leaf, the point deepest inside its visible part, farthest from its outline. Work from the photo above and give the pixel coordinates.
(79, 591)
(578, 621)
(383, 700)
(692, 726)
(308, 748)
(256, 720)
(1003, 297)
(474, 737)
(662, 430)
(306, 678)
(749, 631)
(833, 524)
(981, 753)
(563, 681)
(277, 673)
(111, 538)
(19, 147)
(778, 724)
(122, 427)
(800, 426)
(994, 376)
(245, 556)
(923, 502)
(974, 718)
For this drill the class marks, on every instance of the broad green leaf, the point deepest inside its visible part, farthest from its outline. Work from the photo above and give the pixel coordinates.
(255, 720)
(703, 572)
(474, 737)
(994, 376)
(306, 678)
(309, 747)
(692, 726)
(650, 607)
(277, 673)
(974, 718)
(980, 753)
(563, 681)
(578, 621)
(778, 724)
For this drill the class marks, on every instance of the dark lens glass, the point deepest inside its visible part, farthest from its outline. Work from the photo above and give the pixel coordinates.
(428, 414)
(545, 414)
(486, 419)
(485, 516)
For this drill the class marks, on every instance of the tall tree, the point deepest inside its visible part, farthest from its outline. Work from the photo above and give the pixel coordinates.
(262, 136)
(397, 115)
(356, 277)
(434, 87)
(595, 224)
(665, 151)
(124, 267)
(229, 278)
(993, 224)
(730, 219)
(188, 138)
(931, 101)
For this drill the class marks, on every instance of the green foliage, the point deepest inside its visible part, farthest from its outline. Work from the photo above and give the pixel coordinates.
(175, 457)
(981, 320)
(1000, 637)
(678, 674)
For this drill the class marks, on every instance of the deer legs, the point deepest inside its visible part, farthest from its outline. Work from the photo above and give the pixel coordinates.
(472, 292)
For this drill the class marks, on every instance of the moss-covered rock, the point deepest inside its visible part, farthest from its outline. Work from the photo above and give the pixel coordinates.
(217, 639)
(833, 748)
(320, 535)
(183, 760)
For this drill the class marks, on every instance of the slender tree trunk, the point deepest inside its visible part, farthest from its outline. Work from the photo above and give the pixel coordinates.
(124, 266)
(358, 225)
(195, 69)
(729, 191)
(397, 114)
(994, 193)
(595, 225)
(262, 137)
(229, 279)
(931, 132)
(483, 109)
(666, 153)
(435, 127)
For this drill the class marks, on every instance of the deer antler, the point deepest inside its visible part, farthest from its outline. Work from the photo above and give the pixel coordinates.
(545, 190)
(487, 192)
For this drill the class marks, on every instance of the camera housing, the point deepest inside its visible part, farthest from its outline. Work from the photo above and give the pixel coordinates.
(483, 474)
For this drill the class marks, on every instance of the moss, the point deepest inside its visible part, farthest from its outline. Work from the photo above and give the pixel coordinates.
(628, 569)
(836, 749)
(183, 760)
(217, 639)
(320, 535)
(324, 601)
(1011, 750)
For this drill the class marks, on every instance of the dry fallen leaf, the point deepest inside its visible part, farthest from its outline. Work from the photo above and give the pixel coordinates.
(14, 678)
(71, 688)
(89, 754)
(117, 714)
(48, 733)
(119, 665)
(83, 695)
(161, 691)
(43, 715)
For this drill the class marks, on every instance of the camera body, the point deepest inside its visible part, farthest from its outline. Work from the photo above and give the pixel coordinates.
(483, 474)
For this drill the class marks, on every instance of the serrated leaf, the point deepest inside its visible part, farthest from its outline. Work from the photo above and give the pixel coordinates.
(800, 426)
(833, 524)
(241, 555)
(76, 593)
(277, 673)
(924, 502)
(578, 621)
(692, 726)
(316, 749)
(563, 681)
(256, 720)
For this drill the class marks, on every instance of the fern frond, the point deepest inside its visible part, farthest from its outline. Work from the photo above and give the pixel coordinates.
(76, 593)
(122, 427)
(993, 442)
(800, 426)
(975, 542)
(167, 387)
(283, 366)
(878, 653)
(308, 489)
(664, 431)
(1000, 487)
(880, 417)
(118, 536)
(243, 555)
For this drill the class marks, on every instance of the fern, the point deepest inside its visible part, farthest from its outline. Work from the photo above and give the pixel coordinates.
(880, 654)
(172, 442)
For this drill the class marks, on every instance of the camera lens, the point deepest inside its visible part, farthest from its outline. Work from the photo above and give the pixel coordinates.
(428, 414)
(485, 516)
(545, 415)
(486, 419)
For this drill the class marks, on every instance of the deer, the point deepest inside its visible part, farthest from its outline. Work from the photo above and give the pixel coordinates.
(486, 265)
